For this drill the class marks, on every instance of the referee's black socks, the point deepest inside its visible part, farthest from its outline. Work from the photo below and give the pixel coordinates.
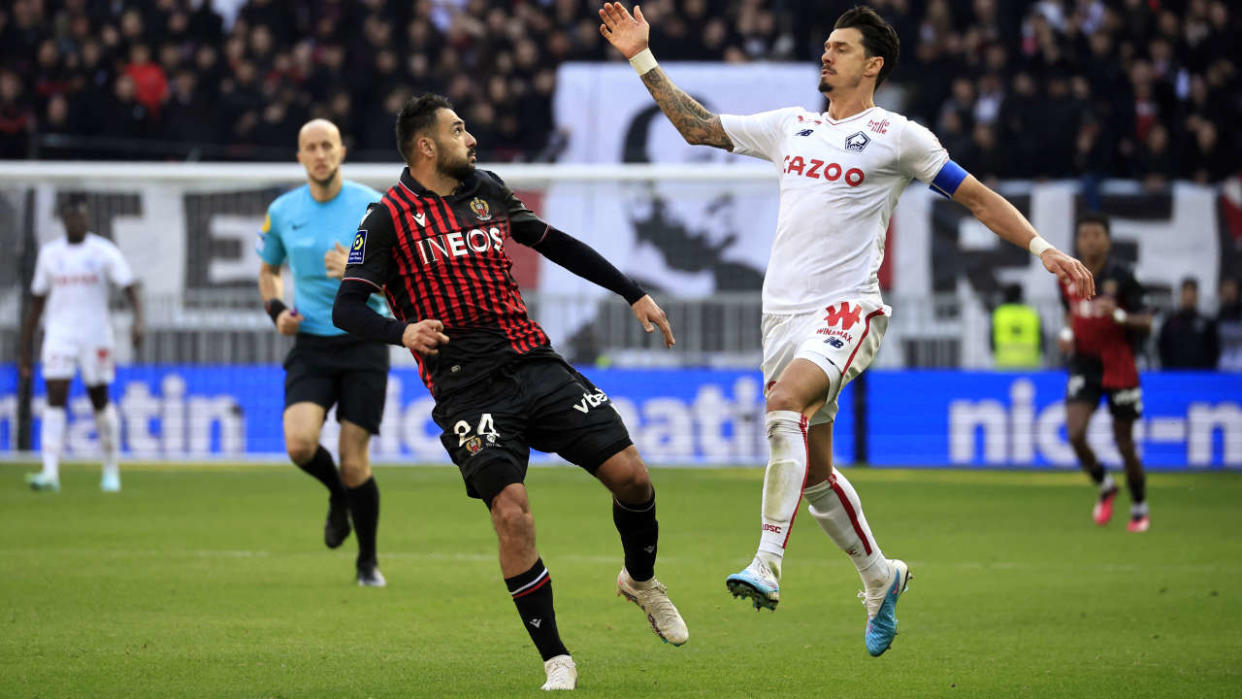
(532, 593)
(324, 470)
(364, 502)
(639, 536)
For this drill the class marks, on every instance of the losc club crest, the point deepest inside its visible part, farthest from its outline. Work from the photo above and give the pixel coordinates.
(474, 445)
(857, 141)
(480, 208)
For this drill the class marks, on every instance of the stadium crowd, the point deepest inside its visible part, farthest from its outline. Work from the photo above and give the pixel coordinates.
(1055, 88)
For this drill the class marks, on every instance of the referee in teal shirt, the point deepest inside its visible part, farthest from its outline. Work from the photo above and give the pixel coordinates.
(326, 366)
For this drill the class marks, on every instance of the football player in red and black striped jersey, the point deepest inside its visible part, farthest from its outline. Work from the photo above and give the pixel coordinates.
(1099, 341)
(435, 244)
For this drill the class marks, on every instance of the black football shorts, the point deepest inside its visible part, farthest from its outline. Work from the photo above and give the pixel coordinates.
(1086, 385)
(490, 427)
(343, 370)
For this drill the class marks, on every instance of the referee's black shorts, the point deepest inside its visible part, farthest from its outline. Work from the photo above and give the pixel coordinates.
(339, 369)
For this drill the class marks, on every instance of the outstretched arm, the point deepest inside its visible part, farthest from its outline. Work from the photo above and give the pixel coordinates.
(995, 212)
(629, 35)
(584, 261)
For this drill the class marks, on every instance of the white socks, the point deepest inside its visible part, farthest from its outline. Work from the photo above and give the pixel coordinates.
(52, 440)
(109, 428)
(1107, 484)
(835, 505)
(782, 483)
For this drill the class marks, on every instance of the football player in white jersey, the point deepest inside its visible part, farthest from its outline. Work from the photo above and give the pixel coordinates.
(71, 281)
(841, 173)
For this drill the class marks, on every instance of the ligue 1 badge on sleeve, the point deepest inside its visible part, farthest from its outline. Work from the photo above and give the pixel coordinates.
(358, 250)
(480, 208)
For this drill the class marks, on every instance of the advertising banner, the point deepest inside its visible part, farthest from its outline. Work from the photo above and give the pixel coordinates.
(683, 417)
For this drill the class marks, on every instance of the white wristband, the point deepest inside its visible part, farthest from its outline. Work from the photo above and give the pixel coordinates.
(1067, 334)
(1038, 245)
(643, 62)
(1119, 316)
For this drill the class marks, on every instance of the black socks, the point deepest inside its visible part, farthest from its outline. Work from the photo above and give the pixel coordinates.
(532, 593)
(324, 470)
(639, 534)
(364, 502)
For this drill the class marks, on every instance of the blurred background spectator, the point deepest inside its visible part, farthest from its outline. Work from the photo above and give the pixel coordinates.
(1057, 88)
(1229, 326)
(1187, 337)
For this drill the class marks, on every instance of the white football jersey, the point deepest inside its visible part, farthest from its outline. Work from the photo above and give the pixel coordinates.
(75, 280)
(840, 181)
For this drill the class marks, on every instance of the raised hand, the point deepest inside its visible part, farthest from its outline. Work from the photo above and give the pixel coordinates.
(627, 33)
(1070, 271)
(652, 316)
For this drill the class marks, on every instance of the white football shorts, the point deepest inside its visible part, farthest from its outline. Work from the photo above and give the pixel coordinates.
(842, 339)
(61, 356)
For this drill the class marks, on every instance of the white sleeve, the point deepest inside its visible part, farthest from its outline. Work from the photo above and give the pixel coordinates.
(922, 156)
(118, 269)
(41, 285)
(758, 135)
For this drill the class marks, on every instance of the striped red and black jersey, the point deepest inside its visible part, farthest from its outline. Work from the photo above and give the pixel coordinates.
(444, 258)
(1097, 334)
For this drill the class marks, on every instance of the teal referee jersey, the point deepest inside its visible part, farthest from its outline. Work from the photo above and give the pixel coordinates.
(302, 230)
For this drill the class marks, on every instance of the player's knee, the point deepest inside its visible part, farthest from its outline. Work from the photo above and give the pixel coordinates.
(1077, 435)
(300, 449)
(510, 513)
(355, 470)
(98, 396)
(634, 486)
(781, 397)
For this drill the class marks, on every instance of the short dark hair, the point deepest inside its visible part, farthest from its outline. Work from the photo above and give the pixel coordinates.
(1191, 282)
(417, 114)
(72, 202)
(1096, 218)
(878, 37)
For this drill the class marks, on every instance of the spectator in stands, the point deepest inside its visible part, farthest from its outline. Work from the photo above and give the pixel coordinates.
(1188, 338)
(123, 120)
(16, 120)
(150, 82)
(1155, 165)
(1010, 64)
(1229, 326)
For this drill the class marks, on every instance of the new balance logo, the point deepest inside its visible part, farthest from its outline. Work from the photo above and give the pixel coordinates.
(649, 549)
(536, 622)
(421, 219)
(843, 315)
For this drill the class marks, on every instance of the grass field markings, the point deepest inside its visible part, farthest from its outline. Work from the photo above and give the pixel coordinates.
(598, 559)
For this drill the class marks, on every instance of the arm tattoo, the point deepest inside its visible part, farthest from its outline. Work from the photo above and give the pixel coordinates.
(697, 125)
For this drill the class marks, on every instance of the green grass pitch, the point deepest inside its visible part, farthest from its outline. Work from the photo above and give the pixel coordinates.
(213, 581)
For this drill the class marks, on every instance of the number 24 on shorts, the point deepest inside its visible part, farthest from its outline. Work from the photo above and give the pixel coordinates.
(486, 429)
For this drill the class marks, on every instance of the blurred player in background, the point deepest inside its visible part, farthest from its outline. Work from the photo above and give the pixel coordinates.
(307, 227)
(841, 174)
(71, 281)
(437, 244)
(1099, 339)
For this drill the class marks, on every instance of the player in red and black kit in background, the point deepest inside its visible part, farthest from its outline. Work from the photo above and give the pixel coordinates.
(436, 245)
(1099, 340)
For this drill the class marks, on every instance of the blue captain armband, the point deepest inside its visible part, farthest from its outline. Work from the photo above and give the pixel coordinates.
(948, 179)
